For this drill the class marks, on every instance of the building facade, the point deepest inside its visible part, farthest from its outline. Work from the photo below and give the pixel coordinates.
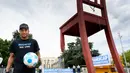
(47, 62)
(59, 63)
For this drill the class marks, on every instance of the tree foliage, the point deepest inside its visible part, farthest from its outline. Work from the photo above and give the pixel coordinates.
(73, 55)
(4, 50)
(127, 56)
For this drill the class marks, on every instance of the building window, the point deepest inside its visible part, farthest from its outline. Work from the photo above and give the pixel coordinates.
(44, 66)
(44, 61)
(48, 65)
(48, 61)
(52, 61)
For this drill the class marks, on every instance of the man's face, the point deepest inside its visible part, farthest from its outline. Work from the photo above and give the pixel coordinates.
(24, 33)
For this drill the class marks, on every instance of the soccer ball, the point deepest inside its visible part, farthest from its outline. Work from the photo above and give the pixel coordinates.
(30, 59)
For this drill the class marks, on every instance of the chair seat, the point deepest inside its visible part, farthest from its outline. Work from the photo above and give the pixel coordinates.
(93, 24)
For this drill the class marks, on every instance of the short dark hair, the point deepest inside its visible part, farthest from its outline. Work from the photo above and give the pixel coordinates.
(23, 26)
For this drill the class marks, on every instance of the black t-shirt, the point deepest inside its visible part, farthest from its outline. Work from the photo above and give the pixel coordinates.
(20, 47)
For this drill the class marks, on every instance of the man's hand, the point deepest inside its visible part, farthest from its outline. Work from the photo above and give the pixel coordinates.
(30, 66)
(39, 57)
(7, 70)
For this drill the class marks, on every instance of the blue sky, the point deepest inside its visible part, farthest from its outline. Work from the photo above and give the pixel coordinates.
(46, 16)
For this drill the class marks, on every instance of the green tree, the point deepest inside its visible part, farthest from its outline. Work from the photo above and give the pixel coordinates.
(16, 35)
(127, 55)
(4, 50)
(74, 56)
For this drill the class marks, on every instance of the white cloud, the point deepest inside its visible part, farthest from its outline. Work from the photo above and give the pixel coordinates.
(46, 16)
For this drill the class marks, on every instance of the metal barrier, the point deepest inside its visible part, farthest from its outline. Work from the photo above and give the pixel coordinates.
(2, 70)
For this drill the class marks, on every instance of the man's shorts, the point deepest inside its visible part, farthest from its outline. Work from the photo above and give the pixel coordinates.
(24, 70)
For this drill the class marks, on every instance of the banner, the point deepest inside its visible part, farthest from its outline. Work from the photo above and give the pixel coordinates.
(101, 60)
(57, 71)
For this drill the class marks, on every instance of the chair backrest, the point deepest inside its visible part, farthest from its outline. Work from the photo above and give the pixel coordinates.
(95, 3)
(101, 4)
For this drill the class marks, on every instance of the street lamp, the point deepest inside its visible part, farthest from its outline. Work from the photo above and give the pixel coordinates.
(123, 52)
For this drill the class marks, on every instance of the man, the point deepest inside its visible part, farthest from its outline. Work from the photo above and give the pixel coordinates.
(19, 48)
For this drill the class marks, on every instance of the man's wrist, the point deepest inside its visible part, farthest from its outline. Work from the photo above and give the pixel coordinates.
(7, 69)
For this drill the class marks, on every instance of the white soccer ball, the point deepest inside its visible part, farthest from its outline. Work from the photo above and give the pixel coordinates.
(30, 59)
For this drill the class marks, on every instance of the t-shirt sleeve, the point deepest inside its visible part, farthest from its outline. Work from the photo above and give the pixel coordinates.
(12, 48)
(36, 46)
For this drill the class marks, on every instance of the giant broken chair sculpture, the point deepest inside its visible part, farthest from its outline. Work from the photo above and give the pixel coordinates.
(84, 24)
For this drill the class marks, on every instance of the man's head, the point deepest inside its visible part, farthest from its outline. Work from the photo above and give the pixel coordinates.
(24, 31)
